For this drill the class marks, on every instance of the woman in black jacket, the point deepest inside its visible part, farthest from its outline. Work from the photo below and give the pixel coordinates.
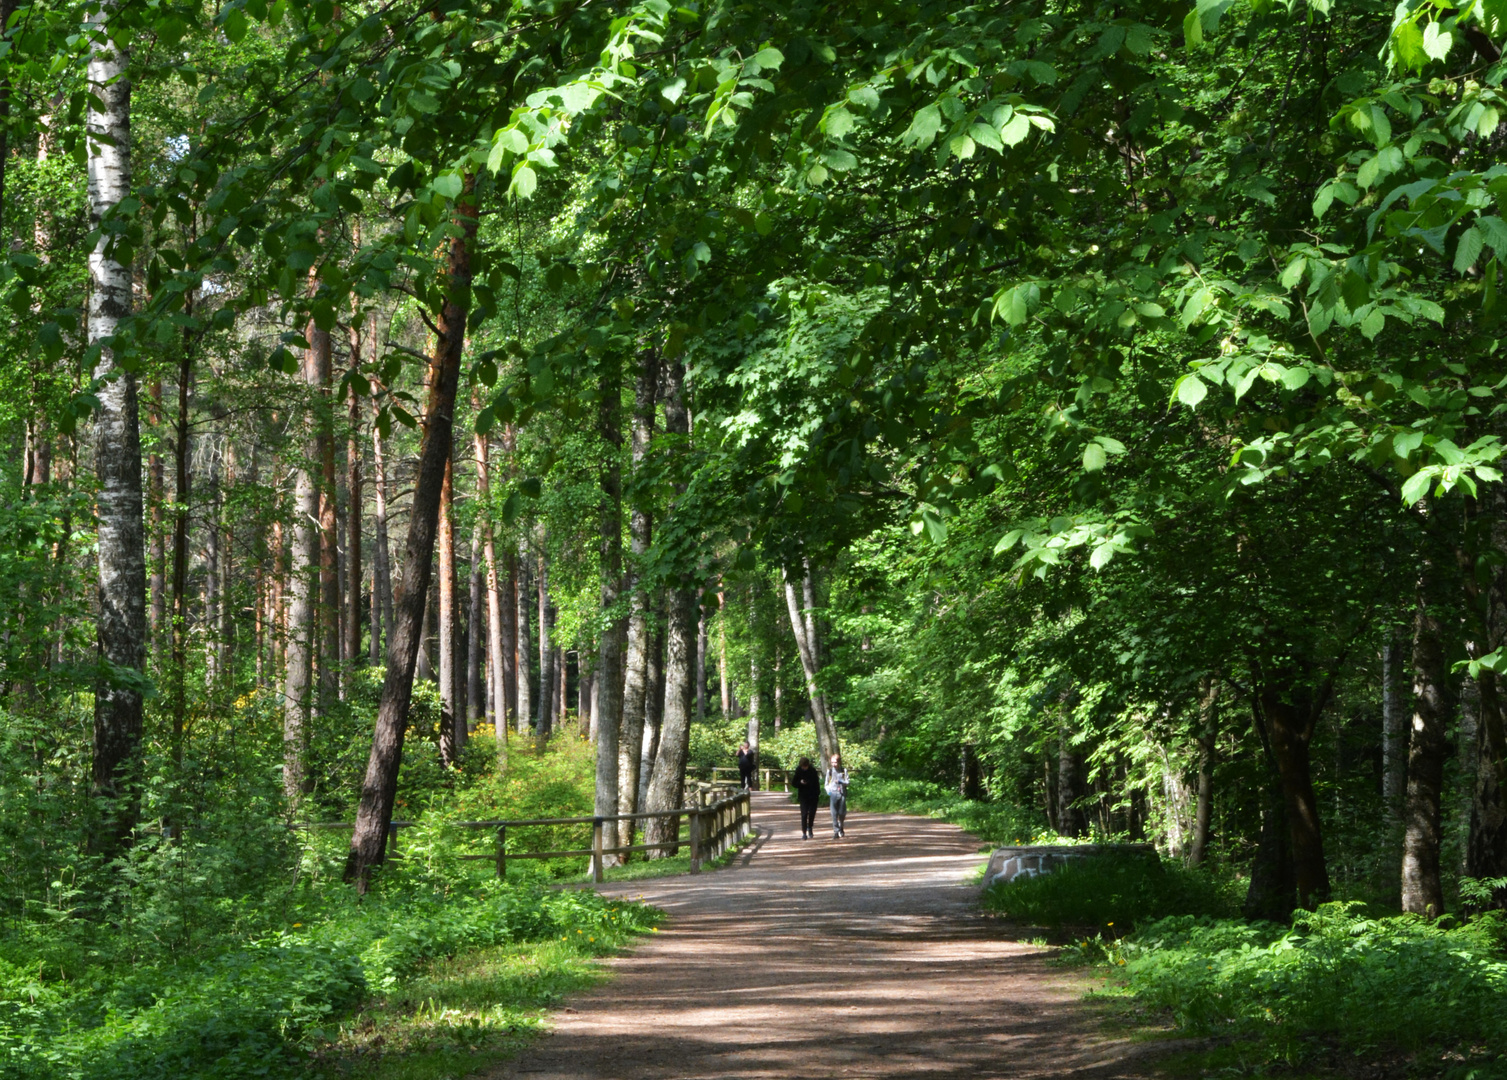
(808, 789)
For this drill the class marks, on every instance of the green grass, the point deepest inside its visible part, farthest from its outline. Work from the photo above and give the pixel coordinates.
(1113, 894)
(676, 864)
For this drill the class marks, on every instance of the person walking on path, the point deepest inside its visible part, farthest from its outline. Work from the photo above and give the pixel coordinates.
(748, 761)
(808, 791)
(837, 794)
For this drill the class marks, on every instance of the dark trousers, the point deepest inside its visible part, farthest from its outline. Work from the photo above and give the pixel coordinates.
(747, 776)
(808, 817)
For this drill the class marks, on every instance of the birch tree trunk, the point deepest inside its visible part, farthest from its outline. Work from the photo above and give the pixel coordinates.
(640, 535)
(303, 566)
(543, 722)
(610, 550)
(654, 700)
(121, 547)
(379, 787)
(523, 662)
(667, 779)
(182, 480)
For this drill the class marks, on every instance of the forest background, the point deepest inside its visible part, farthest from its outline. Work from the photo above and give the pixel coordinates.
(1085, 416)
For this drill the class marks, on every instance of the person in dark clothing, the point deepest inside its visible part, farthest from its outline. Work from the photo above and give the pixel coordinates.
(808, 790)
(748, 761)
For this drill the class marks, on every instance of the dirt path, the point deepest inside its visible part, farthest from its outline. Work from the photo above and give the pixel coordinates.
(861, 957)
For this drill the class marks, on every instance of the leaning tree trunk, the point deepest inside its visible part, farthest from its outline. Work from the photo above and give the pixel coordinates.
(826, 734)
(610, 551)
(1208, 735)
(666, 788)
(640, 535)
(121, 543)
(1433, 706)
(452, 711)
(379, 787)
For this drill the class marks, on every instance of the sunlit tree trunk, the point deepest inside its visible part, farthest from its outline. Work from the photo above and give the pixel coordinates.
(329, 541)
(381, 557)
(701, 687)
(654, 701)
(476, 635)
(501, 621)
(636, 677)
(182, 481)
(826, 734)
(379, 787)
(610, 551)
(543, 722)
(1433, 708)
(302, 588)
(667, 779)
(120, 542)
(522, 638)
(355, 499)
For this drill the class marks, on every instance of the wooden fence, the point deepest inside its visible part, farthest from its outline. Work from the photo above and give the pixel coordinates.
(768, 777)
(719, 819)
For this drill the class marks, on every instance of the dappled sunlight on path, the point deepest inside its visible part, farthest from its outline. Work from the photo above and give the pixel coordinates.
(860, 957)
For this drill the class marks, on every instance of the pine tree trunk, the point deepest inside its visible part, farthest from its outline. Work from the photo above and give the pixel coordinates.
(544, 721)
(636, 679)
(379, 787)
(610, 545)
(157, 492)
(211, 620)
(523, 639)
(329, 544)
(182, 481)
(354, 508)
(1433, 708)
(303, 584)
(1208, 735)
(121, 546)
(382, 564)
(667, 779)
(476, 636)
(452, 710)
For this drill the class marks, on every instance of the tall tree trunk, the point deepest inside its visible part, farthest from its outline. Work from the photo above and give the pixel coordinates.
(826, 734)
(382, 558)
(779, 690)
(211, 620)
(1291, 707)
(452, 708)
(755, 698)
(1486, 842)
(476, 637)
(329, 545)
(1069, 815)
(354, 507)
(121, 546)
(1394, 723)
(544, 722)
(157, 492)
(610, 551)
(303, 589)
(182, 480)
(667, 779)
(277, 624)
(379, 787)
(653, 706)
(701, 644)
(522, 640)
(1208, 747)
(226, 524)
(724, 680)
(1433, 706)
(640, 535)
(500, 621)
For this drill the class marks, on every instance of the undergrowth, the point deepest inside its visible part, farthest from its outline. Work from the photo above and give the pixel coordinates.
(1113, 893)
(991, 822)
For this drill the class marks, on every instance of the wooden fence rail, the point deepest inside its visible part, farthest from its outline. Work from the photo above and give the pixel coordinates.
(720, 819)
(768, 777)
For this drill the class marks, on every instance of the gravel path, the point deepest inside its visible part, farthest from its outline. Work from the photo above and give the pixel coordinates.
(860, 957)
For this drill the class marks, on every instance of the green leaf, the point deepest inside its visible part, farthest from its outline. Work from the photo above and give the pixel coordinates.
(1193, 29)
(235, 25)
(1293, 273)
(1373, 324)
(448, 185)
(1437, 41)
(1468, 249)
(1407, 46)
(1416, 487)
(838, 123)
(525, 181)
(923, 127)
(1094, 457)
(1295, 378)
(768, 59)
(1405, 442)
(1018, 127)
(1191, 390)
(1008, 541)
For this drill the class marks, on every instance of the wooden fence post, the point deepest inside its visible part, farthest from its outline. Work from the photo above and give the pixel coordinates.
(696, 841)
(502, 851)
(596, 850)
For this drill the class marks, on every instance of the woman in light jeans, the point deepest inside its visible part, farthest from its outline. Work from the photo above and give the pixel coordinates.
(837, 794)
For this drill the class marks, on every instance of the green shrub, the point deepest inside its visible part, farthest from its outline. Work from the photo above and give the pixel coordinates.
(992, 822)
(1336, 977)
(1112, 891)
